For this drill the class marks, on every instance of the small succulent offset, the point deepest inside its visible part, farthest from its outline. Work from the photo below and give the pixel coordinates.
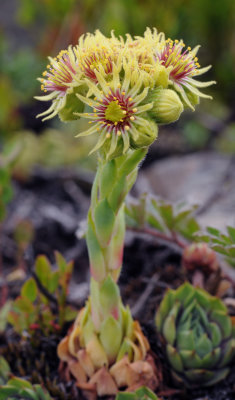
(198, 334)
(125, 88)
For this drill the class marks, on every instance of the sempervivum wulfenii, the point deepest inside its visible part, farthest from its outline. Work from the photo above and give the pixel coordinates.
(198, 335)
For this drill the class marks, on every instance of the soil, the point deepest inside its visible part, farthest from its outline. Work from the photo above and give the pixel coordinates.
(55, 203)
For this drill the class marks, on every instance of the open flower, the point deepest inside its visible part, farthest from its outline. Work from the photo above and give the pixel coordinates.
(60, 78)
(183, 68)
(119, 113)
(95, 52)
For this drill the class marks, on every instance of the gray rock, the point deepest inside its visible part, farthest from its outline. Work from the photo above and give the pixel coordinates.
(205, 179)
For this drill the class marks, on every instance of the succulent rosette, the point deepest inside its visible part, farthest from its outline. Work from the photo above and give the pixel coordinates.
(198, 334)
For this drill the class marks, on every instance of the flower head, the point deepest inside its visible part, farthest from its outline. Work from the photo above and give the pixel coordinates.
(61, 76)
(118, 111)
(119, 79)
(183, 67)
(95, 52)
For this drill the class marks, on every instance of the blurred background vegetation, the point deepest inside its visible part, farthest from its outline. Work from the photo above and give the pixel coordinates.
(30, 30)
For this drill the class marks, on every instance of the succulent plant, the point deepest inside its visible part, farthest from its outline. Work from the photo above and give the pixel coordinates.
(124, 87)
(198, 334)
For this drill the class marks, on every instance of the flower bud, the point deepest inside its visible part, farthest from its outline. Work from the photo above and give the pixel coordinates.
(145, 135)
(167, 106)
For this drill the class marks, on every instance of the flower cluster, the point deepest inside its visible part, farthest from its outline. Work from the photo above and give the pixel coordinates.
(125, 86)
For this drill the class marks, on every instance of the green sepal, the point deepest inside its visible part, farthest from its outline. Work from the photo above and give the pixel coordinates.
(104, 222)
(174, 358)
(111, 337)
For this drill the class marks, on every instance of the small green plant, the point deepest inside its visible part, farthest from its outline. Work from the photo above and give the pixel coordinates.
(198, 335)
(17, 388)
(143, 393)
(42, 301)
(153, 215)
(222, 243)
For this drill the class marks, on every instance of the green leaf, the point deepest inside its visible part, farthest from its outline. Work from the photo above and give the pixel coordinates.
(19, 383)
(107, 178)
(61, 262)
(166, 211)
(104, 222)
(95, 253)
(143, 393)
(111, 337)
(3, 315)
(213, 231)
(53, 282)
(30, 290)
(43, 270)
(118, 194)
(4, 369)
(132, 162)
(231, 232)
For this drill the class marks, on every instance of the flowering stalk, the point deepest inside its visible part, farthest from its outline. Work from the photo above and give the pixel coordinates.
(125, 88)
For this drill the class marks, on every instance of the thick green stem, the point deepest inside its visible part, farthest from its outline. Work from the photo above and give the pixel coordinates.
(106, 223)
